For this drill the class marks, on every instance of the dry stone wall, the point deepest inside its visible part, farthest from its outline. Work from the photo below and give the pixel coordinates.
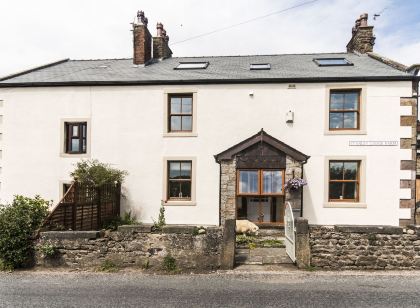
(134, 246)
(370, 247)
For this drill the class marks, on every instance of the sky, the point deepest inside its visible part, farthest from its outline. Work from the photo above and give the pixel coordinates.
(37, 32)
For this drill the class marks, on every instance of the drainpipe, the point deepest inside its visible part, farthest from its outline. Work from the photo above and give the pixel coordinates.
(220, 194)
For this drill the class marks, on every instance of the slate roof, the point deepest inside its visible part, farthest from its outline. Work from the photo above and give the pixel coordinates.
(221, 69)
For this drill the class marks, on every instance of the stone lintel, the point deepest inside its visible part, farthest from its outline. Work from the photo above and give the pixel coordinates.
(69, 235)
(369, 229)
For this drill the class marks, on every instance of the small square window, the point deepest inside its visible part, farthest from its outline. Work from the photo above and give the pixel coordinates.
(75, 137)
(260, 66)
(192, 65)
(332, 62)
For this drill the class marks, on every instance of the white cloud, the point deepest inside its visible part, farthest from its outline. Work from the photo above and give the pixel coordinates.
(36, 32)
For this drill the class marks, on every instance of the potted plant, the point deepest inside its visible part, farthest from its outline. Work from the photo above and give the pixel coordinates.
(295, 184)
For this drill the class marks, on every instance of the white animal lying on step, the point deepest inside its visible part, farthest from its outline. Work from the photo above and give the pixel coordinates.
(246, 227)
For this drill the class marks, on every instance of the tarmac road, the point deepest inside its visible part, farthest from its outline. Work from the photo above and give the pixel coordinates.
(226, 289)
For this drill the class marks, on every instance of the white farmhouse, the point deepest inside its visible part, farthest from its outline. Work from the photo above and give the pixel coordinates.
(205, 135)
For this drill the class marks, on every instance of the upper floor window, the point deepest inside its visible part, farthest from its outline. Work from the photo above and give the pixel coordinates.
(343, 181)
(344, 110)
(180, 113)
(75, 137)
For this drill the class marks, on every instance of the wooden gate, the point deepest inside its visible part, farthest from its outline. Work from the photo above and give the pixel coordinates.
(85, 208)
(289, 232)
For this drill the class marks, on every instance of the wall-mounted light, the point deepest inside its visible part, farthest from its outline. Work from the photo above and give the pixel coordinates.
(289, 116)
(251, 93)
(291, 86)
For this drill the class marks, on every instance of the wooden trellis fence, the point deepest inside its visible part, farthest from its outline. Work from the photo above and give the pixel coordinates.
(85, 208)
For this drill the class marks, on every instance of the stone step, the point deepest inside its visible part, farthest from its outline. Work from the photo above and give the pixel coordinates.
(271, 232)
(262, 256)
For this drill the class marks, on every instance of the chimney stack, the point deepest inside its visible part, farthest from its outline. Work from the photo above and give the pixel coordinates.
(142, 40)
(362, 39)
(161, 48)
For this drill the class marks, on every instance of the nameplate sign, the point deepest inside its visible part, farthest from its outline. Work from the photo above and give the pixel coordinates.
(374, 143)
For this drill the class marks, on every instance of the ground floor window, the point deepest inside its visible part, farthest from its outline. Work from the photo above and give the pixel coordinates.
(179, 179)
(260, 182)
(344, 181)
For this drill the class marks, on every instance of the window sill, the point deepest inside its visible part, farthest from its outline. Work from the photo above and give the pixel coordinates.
(180, 203)
(192, 134)
(84, 155)
(356, 205)
(345, 132)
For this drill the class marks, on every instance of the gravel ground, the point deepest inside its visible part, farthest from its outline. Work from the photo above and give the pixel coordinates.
(244, 287)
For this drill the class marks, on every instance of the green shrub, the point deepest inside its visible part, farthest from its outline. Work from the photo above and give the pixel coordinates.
(126, 219)
(18, 222)
(158, 225)
(169, 263)
(108, 266)
(93, 172)
(48, 250)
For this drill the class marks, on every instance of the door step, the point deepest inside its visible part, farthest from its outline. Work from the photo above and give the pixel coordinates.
(262, 256)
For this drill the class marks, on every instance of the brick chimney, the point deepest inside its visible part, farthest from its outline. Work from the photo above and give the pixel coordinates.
(362, 39)
(142, 40)
(161, 48)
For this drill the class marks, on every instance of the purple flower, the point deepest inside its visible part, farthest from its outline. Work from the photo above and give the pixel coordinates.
(295, 184)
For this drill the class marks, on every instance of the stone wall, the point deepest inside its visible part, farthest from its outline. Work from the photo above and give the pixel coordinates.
(227, 190)
(293, 170)
(370, 247)
(134, 246)
(409, 143)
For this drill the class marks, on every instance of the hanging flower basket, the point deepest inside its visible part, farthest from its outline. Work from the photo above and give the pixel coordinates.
(294, 184)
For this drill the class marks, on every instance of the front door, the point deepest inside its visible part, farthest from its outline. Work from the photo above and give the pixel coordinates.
(260, 196)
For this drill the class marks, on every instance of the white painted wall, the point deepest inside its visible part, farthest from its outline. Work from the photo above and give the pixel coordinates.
(127, 131)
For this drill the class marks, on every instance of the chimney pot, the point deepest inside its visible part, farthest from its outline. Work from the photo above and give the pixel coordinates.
(362, 39)
(159, 28)
(363, 20)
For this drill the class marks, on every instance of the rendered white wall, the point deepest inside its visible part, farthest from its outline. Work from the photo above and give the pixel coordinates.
(127, 131)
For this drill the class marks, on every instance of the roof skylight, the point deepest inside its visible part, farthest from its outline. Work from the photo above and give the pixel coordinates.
(332, 62)
(260, 66)
(192, 65)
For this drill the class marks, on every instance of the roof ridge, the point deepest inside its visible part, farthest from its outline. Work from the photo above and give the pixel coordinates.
(36, 68)
(225, 56)
(394, 64)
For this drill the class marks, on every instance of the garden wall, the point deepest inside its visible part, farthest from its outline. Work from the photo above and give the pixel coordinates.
(134, 246)
(364, 247)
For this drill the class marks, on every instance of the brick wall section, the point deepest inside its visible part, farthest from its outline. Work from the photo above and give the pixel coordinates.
(227, 190)
(161, 49)
(410, 144)
(347, 248)
(142, 44)
(134, 246)
(362, 40)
